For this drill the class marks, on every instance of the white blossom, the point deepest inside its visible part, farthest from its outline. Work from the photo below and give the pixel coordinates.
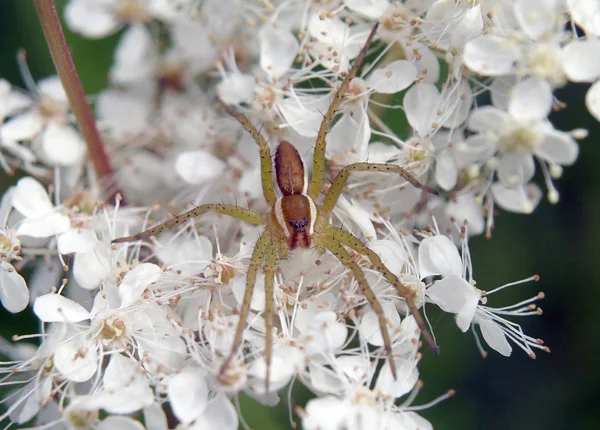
(134, 336)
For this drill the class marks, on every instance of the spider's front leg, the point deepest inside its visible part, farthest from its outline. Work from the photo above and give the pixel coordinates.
(266, 167)
(318, 174)
(339, 182)
(337, 249)
(233, 211)
(403, 291)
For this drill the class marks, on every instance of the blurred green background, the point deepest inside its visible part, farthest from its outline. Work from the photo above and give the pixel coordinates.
(560, 243)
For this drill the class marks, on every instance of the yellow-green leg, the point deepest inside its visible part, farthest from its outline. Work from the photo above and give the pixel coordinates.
(337, 249)
(230, 210)
(269, 268)
(266, 167)
(319, 156)
(403, 291)
(340, 180)
(260, 248)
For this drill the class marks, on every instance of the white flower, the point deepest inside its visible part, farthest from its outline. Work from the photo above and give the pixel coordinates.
(518, 135)
(582, 65)
(46, 125)
(100, 18)
(125, 388)
(353, 397)
(335, 42)
(41, 218)
(456, 293)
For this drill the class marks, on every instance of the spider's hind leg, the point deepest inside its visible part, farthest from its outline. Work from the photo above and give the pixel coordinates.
(269, 269)
(260, 249)
(403, 291)
(337, 249)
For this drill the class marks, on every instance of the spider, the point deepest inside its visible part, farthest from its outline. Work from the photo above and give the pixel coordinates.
(298, 220)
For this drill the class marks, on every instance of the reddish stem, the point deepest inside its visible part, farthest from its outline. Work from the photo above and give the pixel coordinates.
(61, 55)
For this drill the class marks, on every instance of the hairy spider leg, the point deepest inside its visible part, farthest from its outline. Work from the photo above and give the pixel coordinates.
(403, 291)
(337, 249)
(266, 167)
(269, 269)
(260, 249)
(229, 210)
(339, 182)
(318, 173)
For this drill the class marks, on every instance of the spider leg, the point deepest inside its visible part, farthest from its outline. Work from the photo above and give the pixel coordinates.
(266, 167)
(230, 210)
(269, 269)
(337, 249)
(340, 180)
(319, 156)
(403, 291)
(260, 248)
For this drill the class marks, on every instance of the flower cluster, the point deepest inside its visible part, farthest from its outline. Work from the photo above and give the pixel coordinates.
(133, 336)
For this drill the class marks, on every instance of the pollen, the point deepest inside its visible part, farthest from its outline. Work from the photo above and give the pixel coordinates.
(520, 140)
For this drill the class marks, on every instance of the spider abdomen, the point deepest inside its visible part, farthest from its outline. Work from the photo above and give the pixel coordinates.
(289, 169)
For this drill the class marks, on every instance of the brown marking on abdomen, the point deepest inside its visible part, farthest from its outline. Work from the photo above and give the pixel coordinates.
(289, 169)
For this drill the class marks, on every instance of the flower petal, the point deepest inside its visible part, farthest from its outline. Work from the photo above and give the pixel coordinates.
(91, 268)
(394, 77)
(278, 49)
(494, 336)
(218, 414)
(531, 100)
(373, 9)
(536, 17)
(438, 256)
(519, 199)
(420, 104)
(56, 308)
(486, 119)
(369, 325)
(76, 359)
(592, 100)
(236, 88)
(452, 293)
(580, 60)
(515, 169)
(446, 171)
(49, 225)
(490, 55)
(90, 19)
(75, 240)
(14, 294)
(62, 145)
(188, 394)
(558, 147)
(30, 198)
(22, 127)
(118, 422)
(391, 254)
(135, 282)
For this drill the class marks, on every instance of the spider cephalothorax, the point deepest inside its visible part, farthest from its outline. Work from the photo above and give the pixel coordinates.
(298, 220)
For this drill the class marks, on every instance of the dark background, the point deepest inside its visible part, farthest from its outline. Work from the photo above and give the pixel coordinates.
(561, 243)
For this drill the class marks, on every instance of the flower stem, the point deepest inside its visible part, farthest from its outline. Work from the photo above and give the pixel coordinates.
(61, 55)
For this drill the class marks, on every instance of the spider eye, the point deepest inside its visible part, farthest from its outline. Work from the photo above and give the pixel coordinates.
(299, 226)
